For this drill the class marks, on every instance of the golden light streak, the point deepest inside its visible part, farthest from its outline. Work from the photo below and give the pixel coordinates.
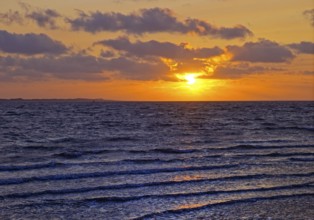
(172, 64)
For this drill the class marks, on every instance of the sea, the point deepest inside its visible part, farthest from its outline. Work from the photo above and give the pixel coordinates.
(156, 160)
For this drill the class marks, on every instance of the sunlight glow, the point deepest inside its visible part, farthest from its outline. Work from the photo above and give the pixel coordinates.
(190, 78)
(191, 83)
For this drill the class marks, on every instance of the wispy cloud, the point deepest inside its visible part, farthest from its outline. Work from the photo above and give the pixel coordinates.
(11, 17)
(44, 18)
(310, 15)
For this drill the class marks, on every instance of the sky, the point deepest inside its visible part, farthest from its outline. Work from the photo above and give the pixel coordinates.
(157, 50)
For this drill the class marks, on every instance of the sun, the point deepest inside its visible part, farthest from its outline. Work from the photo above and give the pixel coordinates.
(192, 82)
(190, 79)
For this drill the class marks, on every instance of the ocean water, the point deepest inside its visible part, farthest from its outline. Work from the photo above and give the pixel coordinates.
(156, 160)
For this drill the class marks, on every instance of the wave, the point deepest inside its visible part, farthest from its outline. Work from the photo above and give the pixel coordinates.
(29, 167)
(276, 154)
(311, 129)
(263, 147)
(229, 202)
(193, 153)
(302, 159)
(152, 184)
(131, 198)
(201, 150)
(110, 173)
(117, 139)
(68, 140)
(13, 168)
(175, 151)
(76, 154)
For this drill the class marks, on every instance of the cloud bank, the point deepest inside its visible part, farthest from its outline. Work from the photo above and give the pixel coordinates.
(230, 71)
(160, 49)
(29, 44)
(303, 47)
(154, 20)
(78, 67)
(264, 51)
(138, 60)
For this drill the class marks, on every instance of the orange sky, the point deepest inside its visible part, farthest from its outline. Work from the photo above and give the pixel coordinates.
(157, 50)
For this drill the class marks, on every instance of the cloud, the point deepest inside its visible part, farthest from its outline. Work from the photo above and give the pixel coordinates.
(73, 66)
(310, 15)
(29, 44)
(138, 70)
(154, 20)
(45, 18)
(179, 58)
(11, 17)
(203, 28)
(160, 49)
(78, 67)
(265, 51)
(303, 47)
(232, 71)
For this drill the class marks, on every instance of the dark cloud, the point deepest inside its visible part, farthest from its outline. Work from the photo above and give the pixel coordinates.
(78, 67)
(65, 67)
(303, 47)
(44, 18)
(152, 20)
(262, 51)
(204, 28)
(310, 15)
(160, 49)
(232, 71)
(29, 44)
(138, 70)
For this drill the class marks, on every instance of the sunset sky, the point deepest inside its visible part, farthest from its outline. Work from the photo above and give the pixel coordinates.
(157, 49)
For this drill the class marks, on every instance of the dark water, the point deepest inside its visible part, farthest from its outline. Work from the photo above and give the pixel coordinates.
(99, 160)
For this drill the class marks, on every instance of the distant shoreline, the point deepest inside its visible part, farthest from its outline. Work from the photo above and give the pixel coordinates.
(57, 100)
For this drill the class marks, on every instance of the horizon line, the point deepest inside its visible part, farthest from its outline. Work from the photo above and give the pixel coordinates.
(115, 100)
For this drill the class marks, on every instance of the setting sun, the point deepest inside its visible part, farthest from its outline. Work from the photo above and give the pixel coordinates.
(190, 78)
